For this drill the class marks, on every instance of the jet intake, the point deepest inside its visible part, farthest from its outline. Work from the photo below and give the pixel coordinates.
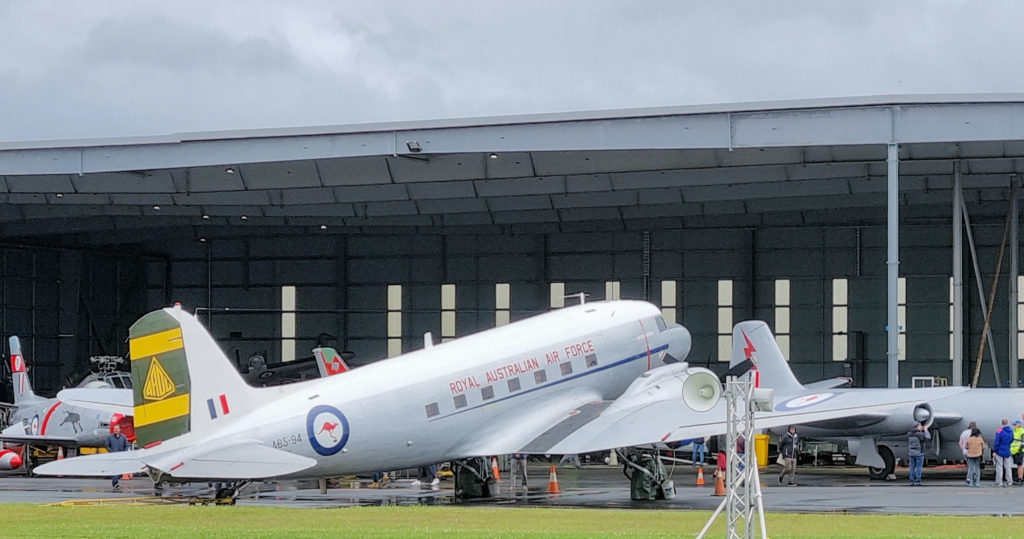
(924, 414)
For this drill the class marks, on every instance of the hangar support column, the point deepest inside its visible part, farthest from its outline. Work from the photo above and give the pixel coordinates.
(893, 266)
(1014, 254)
(957, 326)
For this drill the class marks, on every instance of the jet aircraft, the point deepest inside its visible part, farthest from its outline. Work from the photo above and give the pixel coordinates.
(585, 378)
(876, 438)
(78, 417)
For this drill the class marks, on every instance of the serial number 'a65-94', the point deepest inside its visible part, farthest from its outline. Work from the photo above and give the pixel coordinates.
(286, 441)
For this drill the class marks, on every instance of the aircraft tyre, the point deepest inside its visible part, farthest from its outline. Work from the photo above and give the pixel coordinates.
(225, 496)
(888, 459)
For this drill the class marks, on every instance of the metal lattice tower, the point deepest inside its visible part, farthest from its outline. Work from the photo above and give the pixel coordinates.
(742, 481)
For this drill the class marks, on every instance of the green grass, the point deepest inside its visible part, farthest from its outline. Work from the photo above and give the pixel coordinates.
(22, 520)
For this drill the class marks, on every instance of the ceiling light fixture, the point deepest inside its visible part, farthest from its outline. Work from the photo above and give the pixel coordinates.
(323, 227)
(60, 195)
(414, 146)
(206, 216)
(493, 156)
(245, 217)
(202, 240)
(229, 170)
(156, 207)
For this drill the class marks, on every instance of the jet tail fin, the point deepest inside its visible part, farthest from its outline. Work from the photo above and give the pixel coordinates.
(753, 340)
(22, 387)
(182, 381)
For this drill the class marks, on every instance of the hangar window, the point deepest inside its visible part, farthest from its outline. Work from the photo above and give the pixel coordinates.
(460, 401)
(724, 319)
(668, 300)
(447, 312)
(1020, 316)
(487, 392)
(541, 376)
(566, 368)
(394, 320)
(502, 302)
(557, 295)
(287, 323)
(901, 316)
(591, 360)
(513, 384)
(433, 409)
(612, 290)
(782, 315)
(840, 318)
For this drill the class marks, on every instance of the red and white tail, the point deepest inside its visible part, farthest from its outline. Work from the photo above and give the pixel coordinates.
(19, 373)
(328, 361)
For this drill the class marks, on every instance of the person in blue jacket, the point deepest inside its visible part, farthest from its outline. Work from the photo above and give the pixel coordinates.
(1001, 455)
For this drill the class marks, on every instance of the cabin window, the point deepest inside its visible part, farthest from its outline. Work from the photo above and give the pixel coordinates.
(591, 361)
(566, 368)
(487, 392)
(660, 322)
(541, 376)
(460, 401)
(513, 384)
(433, 409)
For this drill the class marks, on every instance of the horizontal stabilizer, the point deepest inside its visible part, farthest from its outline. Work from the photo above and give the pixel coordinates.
(107, 399)
(241, 459)
(101, 464)
(63, 441)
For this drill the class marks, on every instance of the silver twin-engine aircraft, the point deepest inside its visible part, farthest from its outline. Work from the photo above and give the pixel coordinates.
(585, 378)
(877, 438)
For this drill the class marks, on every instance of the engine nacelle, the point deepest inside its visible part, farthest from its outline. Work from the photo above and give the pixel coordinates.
(698, 387)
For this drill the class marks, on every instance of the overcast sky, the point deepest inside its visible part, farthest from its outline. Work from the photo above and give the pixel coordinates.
(123, 68)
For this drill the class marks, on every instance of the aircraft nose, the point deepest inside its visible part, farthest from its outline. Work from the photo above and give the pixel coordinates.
(679, 342)
(15, 462)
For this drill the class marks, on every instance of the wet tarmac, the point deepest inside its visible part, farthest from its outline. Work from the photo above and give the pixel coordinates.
(820, 490)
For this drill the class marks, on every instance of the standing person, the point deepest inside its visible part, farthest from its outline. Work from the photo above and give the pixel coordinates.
(116, 442)
(974, 448)
(698, 452)
(1001, 456)
(789, 446)
(963, 444)
(1017, 450)
(915, 452)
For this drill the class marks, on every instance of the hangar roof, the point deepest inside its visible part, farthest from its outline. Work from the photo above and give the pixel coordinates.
(735, 164)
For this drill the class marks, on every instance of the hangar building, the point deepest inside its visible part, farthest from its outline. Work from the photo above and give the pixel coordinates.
(374, 234)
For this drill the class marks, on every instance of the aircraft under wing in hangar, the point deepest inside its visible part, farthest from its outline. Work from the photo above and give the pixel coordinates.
(79, 416)
(584, 378)
(877, 437)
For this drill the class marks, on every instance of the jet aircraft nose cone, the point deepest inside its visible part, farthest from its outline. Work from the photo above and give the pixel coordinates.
(15, 462)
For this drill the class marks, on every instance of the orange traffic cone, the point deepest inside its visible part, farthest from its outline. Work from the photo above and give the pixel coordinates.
(553, 482)
(494, 469)
(719, 484)
(126, 476)
(60, 453)
(700, 476)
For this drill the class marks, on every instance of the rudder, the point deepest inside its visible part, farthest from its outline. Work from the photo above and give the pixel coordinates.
(21, 386)
(752, 339)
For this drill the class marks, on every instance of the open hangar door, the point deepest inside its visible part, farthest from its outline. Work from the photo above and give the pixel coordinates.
(387, 232)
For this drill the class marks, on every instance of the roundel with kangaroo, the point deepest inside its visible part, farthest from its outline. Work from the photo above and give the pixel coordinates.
(327, 429)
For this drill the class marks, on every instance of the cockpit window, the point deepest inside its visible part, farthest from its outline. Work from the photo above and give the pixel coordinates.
(660, 320)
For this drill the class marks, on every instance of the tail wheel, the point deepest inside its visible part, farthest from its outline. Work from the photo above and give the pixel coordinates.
(888, 468)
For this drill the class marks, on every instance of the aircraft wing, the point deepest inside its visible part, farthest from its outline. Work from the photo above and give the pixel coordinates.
(109, 399)
(839, 381)
(63, 441)
(653, 411)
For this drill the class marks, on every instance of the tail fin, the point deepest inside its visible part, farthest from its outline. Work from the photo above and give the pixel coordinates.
(753, 340)
(328, 361)
(19, 373)
(181, 379)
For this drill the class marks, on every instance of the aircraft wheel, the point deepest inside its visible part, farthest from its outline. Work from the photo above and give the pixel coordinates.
(226, 496)
(888, 468)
